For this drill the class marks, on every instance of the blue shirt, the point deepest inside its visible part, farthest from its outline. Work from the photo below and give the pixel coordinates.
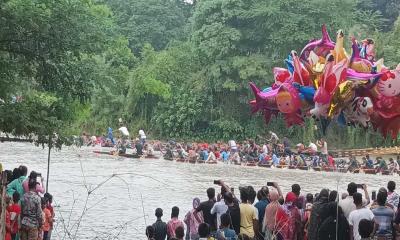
(261, 205)
(370, 163)
(275, 159)
(204, 155)
(225, 156)
(384, 217)
(228, 233)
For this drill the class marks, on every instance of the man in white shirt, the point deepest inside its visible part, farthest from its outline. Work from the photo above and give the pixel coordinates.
(313, 147)
(124, 131)
(125, 136)
(232, 145)
(357, 215)
(347, 204)
(142, 136)
(220, 207)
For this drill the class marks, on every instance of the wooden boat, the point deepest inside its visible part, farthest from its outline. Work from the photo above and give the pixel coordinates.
(342, 170)
(370, 171)
(126, 155)
(356, 171)
(281, 166)
(266, 165)
(292, 167)
(181, 160)
(192, 162)
(112, 153)
(169, 159)
(386, 172)
(303, 168)
(251, 164)
(328, 169)
(212, 162)
(237, 163)
(318, 169)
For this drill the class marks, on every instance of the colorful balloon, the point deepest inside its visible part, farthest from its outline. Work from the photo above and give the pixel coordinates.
(288, 99)
(325, 83)
(359, 111)
(321, 47)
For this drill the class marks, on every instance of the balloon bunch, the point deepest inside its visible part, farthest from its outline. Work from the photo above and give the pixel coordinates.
(324, 82)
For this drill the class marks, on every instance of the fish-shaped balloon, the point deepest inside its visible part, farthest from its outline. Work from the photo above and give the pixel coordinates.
(321, 47)
(300, 74)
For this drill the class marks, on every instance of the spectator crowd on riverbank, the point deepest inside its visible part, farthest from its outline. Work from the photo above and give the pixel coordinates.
(29, 211)
(291, 216)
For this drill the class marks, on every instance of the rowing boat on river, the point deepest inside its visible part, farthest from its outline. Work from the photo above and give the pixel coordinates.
(126, 155)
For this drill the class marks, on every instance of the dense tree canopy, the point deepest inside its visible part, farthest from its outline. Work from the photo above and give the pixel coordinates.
(177, 69)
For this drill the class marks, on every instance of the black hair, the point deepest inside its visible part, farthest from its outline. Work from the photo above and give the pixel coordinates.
(49, 197)
(323, 194)
(332, 196)
(262, 194)
(24, 170)
(351, 188)
(16, 197)
(310, 198)
(365, 228)
(16, 173)
(228, 197)
(175, 212)
(223, 191)
(180, 232)
(159, 213)
(244, 194)
(204, 230)
(381, 198)
(32, 184)
(252, 194)
(357, 198)
(296, 189)
(225, 220)
(211, 193)
(391, 186)
(150, 231)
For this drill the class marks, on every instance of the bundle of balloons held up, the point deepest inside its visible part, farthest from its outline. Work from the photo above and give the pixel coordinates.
(326, 83)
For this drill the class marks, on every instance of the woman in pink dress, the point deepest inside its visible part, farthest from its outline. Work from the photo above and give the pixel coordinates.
(192, 220)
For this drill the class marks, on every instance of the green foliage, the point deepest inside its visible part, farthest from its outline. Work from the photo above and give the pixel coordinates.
(179, 70)
(156, 22)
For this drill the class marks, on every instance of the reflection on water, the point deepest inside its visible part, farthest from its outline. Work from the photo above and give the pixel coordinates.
(115, 208)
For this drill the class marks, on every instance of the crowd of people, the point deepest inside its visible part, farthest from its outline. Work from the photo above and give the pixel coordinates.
(294, 216)
(29, 210)
(272, 151)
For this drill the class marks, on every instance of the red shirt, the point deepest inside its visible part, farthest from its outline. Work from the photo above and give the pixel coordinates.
(14, 209)
(8, 224)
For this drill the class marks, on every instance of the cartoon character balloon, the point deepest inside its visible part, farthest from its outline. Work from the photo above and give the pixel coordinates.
(359, 111)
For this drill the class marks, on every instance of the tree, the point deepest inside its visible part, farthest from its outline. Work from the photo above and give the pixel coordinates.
(156, 22)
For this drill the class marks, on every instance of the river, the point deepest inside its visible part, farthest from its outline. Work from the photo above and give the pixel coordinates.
(120, 207)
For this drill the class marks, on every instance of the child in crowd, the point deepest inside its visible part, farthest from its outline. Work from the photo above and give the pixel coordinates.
(49, 206)
(47, 219)
(225, 232)
(204, 232)
(15, 211)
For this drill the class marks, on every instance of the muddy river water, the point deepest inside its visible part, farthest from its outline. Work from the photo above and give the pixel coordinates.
(125, 192)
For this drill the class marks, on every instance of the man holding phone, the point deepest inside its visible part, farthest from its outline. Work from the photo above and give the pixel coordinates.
(347, 204)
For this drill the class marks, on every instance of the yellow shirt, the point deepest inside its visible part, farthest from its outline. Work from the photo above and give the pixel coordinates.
(247, 215)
